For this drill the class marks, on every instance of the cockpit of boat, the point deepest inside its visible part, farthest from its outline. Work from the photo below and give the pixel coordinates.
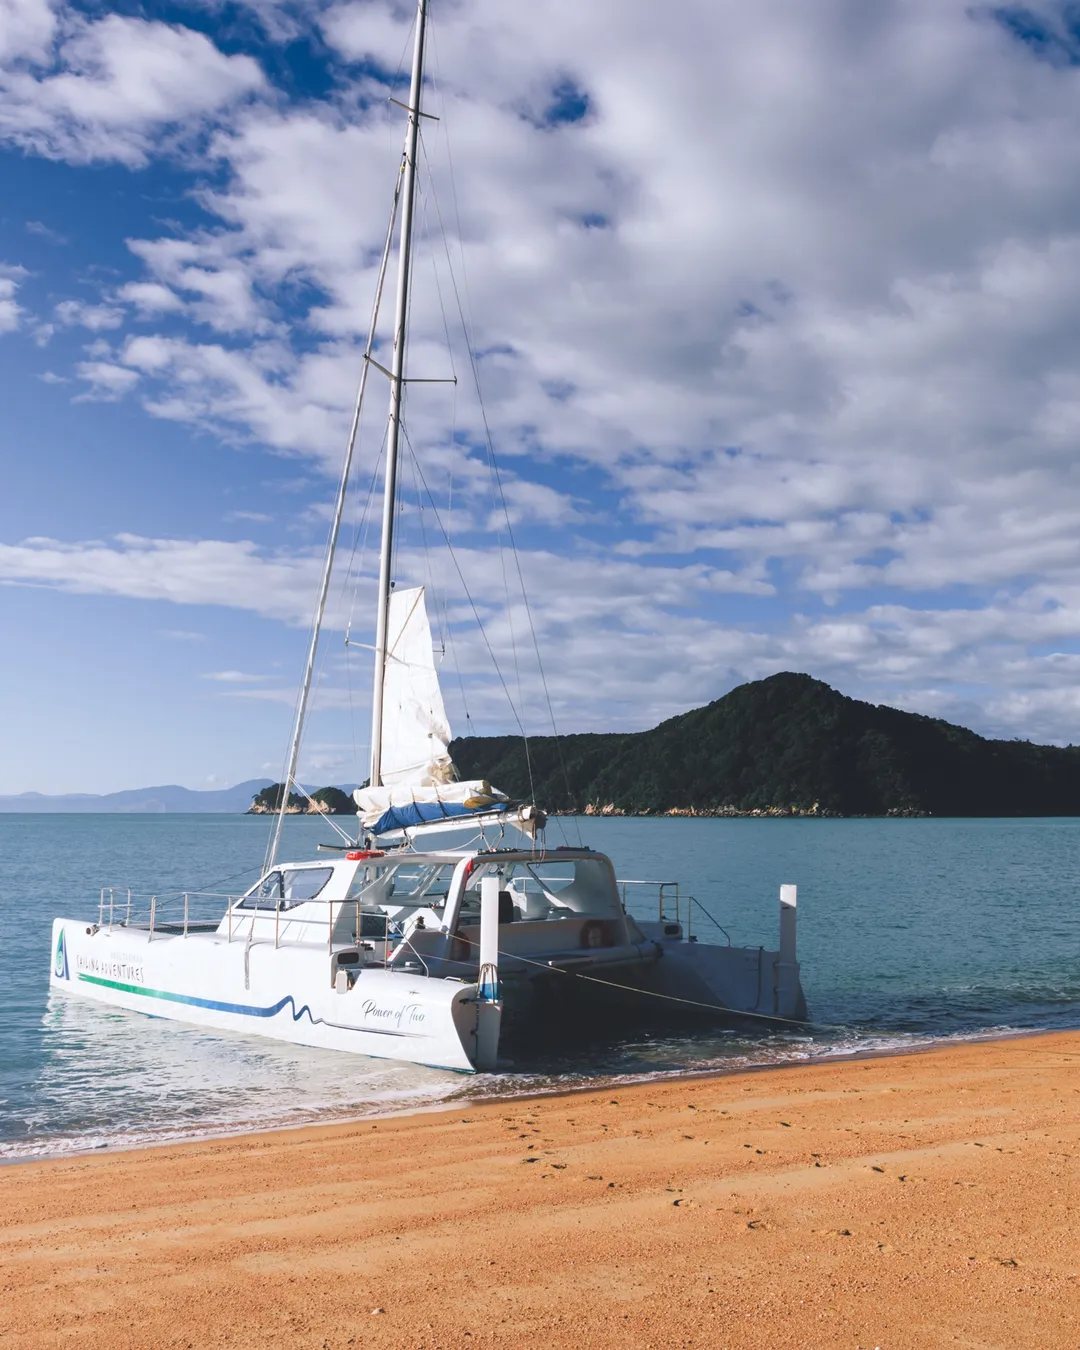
(422, 896)
(534, 888)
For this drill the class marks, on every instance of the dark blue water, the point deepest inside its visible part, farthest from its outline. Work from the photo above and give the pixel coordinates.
(908, 930)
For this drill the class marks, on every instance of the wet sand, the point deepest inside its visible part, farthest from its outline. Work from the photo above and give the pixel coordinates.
(908, 1202)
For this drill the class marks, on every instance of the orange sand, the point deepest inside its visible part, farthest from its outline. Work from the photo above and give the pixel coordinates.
(908, 1202)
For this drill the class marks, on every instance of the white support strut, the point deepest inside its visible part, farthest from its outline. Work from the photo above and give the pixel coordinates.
(788, 998)
(488, 1003)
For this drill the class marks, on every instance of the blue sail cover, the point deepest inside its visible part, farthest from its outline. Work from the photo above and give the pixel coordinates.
(420, 813)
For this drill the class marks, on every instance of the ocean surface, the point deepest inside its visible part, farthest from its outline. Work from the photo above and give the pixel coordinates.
(909, 931)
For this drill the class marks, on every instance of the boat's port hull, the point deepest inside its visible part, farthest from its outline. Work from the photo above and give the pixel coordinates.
(691, 981)
(282, 992)
(699, 975)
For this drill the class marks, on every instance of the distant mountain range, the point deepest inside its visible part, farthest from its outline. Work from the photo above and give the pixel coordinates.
(142, 800)
(786, 744)
(152, 800)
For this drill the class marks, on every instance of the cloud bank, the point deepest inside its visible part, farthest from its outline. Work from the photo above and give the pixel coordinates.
(775, 312)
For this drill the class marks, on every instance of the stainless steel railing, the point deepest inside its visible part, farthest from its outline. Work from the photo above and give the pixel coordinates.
(179, 913)
(173, 911)
(667, 898)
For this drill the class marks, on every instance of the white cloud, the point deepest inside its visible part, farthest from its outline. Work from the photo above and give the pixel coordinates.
(289, 405)
(10, 311)
(220, 286)
(26, 29)
(108, 382)
(44, 231)
(185, 572)
(535, 503)
(103, 89)
(76, 313)
(150, 297)
(256, 517)
(233, 677)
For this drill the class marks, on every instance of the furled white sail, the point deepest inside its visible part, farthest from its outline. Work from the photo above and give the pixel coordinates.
(415, 732)
(418, 778)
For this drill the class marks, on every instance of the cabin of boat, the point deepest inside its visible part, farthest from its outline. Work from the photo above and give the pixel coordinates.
(421, 910)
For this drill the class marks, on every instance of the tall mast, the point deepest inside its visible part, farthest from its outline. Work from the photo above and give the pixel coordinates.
(397, 384)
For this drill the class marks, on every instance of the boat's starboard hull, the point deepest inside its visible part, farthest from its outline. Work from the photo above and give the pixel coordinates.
(282, 992)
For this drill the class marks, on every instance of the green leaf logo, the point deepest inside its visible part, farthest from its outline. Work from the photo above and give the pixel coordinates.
(60, 965)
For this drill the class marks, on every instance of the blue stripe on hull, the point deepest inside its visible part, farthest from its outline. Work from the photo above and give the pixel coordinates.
(242, 1009)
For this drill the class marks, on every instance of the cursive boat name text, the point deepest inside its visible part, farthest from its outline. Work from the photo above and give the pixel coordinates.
(412, 1014)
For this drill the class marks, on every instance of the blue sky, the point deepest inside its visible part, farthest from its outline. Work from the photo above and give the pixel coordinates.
(776, 316)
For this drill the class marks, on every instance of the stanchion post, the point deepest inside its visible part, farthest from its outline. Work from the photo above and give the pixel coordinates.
(788, 1000)
(488, 1004)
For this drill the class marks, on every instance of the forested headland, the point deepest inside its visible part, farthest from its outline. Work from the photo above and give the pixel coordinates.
(785, 745)
(326, 801)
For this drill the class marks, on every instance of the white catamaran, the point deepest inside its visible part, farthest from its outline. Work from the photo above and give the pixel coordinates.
(395, 946)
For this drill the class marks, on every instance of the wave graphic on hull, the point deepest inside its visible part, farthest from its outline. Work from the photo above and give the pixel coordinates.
(244, 1009)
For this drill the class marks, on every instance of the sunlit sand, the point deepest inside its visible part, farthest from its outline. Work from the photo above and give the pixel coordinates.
(909, 1201)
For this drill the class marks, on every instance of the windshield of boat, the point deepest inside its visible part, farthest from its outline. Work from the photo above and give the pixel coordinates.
(405, 883)
(555, 889)
(287, 886)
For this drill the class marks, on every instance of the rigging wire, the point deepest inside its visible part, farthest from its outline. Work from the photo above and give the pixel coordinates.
(429, 574)
(468, 595)
(423, 229)
(354, 571)
(519, 715)
(446, 625)
(466, 324)
(361, 535)
(301, 702)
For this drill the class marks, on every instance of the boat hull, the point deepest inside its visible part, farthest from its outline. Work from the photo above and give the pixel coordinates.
(685, 979)
(749, 980)
(285, 993)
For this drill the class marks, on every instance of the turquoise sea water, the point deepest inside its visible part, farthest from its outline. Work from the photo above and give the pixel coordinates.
(909, 930)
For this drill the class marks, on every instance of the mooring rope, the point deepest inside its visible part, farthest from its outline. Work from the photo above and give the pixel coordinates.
(689, 1002)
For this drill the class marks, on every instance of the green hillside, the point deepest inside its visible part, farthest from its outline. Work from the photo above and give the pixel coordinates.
(787, 742)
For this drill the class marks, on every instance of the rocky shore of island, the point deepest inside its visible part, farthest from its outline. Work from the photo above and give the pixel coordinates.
(325, 801)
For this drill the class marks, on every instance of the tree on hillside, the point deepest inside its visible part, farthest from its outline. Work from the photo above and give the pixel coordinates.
(336, 802)
(269, 799)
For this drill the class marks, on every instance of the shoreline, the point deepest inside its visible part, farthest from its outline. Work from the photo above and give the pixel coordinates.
(567, 1091)
(903, 1201)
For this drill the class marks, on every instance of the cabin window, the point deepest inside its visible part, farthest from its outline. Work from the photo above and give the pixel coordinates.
(558, 889)
(286, 887)
(410, 883)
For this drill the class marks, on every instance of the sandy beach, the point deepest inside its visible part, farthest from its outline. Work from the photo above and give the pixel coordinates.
(910, 1201)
